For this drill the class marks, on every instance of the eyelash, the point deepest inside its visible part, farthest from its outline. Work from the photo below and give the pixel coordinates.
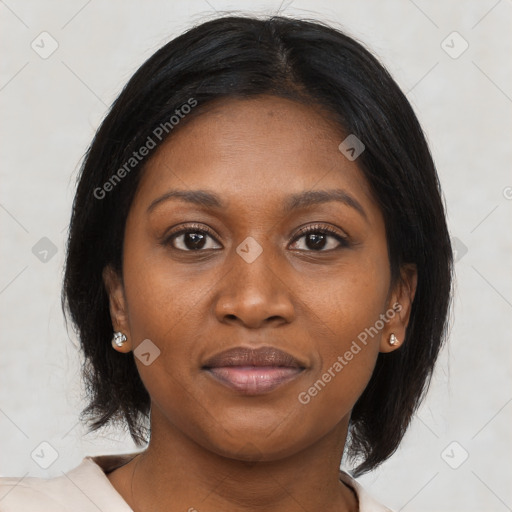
(325, 230)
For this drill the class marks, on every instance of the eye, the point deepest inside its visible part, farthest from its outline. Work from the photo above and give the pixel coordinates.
(192, 238)
(320, 239)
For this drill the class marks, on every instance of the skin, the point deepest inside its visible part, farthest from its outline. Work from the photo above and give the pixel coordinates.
(211, 448)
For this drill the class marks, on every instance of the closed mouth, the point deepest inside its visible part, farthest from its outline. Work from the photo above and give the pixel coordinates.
(253, 371)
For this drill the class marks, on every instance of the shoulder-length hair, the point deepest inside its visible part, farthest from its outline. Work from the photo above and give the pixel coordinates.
(311, 63)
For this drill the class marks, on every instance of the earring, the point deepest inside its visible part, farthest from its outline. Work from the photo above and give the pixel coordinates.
(393, 340)
(118, 340)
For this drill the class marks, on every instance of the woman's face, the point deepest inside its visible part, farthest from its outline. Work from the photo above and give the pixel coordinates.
(246, 275)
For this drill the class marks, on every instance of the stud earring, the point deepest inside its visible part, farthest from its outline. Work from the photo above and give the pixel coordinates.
(393, 340)
(118, 340)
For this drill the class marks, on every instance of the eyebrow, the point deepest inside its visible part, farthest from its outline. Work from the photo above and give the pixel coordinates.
(312, 197)
(292, 202)
(199, 197)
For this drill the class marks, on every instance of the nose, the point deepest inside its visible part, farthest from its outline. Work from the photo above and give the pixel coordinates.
(254, 294)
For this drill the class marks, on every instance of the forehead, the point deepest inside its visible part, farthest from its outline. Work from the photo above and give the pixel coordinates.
(257, 149)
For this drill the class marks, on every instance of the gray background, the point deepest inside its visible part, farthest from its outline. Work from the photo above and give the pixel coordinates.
(51, 108)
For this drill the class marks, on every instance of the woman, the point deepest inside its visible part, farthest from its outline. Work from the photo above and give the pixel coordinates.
(259, 271)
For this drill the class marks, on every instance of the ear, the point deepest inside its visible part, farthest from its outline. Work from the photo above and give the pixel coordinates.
(399, 308)
(117, 302)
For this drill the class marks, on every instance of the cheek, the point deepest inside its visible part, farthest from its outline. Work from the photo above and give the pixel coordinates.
(158, 297)
(161, 308)
(165, 310)
(347, 310)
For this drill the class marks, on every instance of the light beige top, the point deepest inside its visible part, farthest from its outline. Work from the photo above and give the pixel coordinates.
(86, 488)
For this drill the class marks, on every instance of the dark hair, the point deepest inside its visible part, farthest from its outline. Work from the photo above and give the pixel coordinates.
(308, 62)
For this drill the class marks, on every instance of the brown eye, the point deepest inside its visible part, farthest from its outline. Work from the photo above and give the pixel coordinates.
(191, 239)
(319, 239)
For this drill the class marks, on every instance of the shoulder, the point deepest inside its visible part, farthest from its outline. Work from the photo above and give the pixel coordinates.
(366, 502)
(29, 493)
(84, 488)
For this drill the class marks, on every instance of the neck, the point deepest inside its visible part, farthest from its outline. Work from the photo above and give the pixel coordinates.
(175, 473)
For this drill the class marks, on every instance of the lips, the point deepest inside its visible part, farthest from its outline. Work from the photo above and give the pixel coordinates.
(264, 356)
(253, 371)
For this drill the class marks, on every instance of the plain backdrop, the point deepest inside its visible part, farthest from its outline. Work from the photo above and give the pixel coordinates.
(452, 58)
